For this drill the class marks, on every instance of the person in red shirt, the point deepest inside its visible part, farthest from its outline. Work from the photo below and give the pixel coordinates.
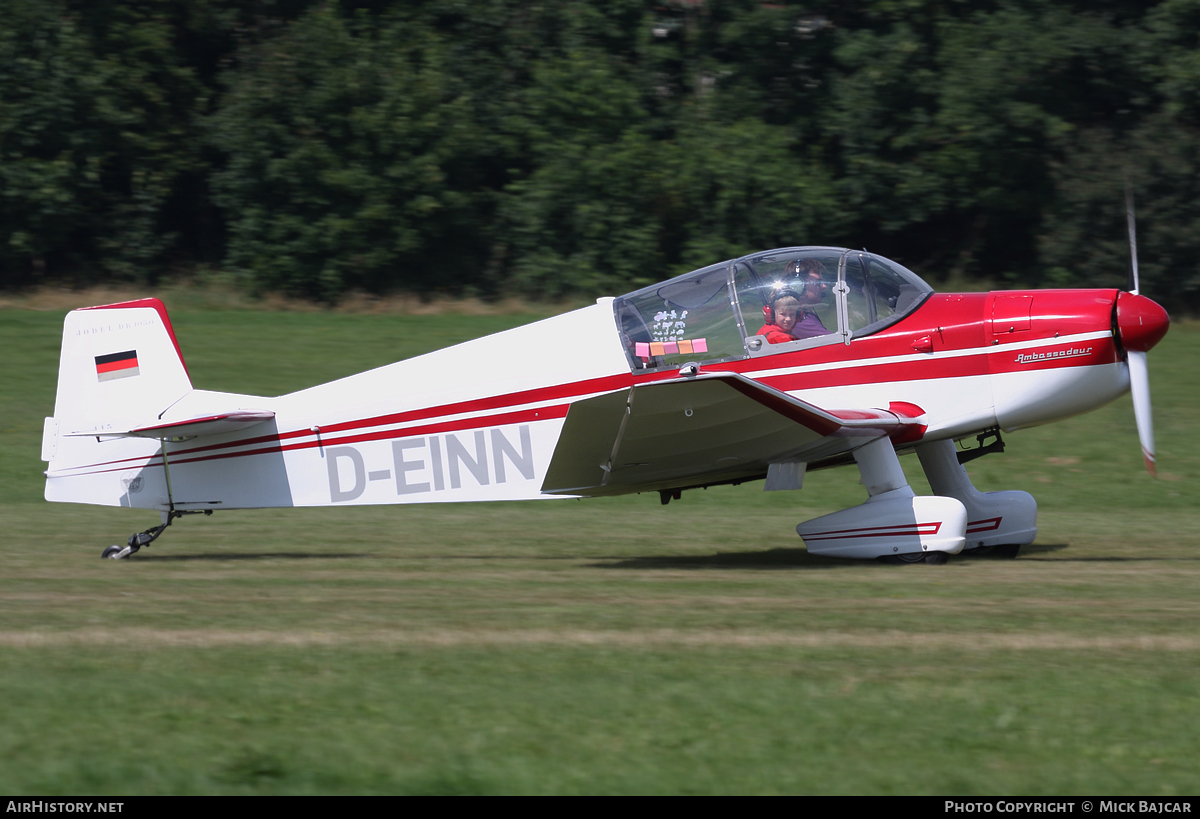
(781, 313)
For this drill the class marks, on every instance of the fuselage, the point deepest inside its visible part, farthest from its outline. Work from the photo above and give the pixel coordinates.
(482, 420)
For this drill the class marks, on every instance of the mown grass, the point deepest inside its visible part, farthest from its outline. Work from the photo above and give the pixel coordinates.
(593, 646)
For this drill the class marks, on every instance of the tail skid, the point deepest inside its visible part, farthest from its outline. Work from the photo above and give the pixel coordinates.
(137, 541)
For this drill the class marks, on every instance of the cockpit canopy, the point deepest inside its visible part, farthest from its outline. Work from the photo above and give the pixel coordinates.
(765, 303)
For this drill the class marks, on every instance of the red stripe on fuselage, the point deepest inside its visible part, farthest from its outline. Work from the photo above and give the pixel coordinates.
(987, 361)
(571, 390)
(503, 419)
(275, 442)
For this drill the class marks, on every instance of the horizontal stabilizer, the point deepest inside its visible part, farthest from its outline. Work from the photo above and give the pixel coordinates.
(191, 427)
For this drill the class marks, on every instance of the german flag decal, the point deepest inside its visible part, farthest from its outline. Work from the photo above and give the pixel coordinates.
(117, 365)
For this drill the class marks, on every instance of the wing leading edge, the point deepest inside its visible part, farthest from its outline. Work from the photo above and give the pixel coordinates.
(701, 430)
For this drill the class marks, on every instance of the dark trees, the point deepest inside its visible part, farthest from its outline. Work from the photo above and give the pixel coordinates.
(585, 147)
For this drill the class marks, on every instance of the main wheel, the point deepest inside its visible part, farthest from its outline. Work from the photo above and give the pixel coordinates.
(1000, 551)
(110, 551)
(932, 558)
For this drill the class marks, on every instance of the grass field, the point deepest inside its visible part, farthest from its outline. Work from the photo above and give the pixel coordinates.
(612, 645)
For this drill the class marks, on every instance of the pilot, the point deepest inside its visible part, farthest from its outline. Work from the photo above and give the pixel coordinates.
(789, 310)
(812, 273)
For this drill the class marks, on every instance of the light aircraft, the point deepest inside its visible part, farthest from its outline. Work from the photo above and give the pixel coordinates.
(762, 367)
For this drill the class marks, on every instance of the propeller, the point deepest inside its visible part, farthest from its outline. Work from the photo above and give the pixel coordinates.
(1131, 223)
(1141, 323)
(1139, 386)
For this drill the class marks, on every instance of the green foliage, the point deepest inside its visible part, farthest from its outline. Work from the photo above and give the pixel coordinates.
(750, 185)
(586, 147)
(45, 74)
(96, 133)
(341, 136)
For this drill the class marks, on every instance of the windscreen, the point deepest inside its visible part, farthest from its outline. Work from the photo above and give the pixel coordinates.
(880, 292)
(686, 319)
(789, 295)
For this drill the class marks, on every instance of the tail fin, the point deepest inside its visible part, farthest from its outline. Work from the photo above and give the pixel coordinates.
(120, 363)
(120, 368)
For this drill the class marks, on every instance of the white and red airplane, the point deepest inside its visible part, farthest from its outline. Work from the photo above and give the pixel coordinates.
(761, 367)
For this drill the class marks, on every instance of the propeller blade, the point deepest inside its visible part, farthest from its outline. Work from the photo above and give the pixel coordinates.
(1131, 222)
(1139, 385)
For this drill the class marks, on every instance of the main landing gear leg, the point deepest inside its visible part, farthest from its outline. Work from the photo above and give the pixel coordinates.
(147, 537)
(998, 523)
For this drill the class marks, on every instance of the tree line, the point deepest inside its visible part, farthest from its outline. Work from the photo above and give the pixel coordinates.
(585, 147)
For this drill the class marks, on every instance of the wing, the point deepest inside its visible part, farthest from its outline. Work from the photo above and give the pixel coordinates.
(706, 429)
